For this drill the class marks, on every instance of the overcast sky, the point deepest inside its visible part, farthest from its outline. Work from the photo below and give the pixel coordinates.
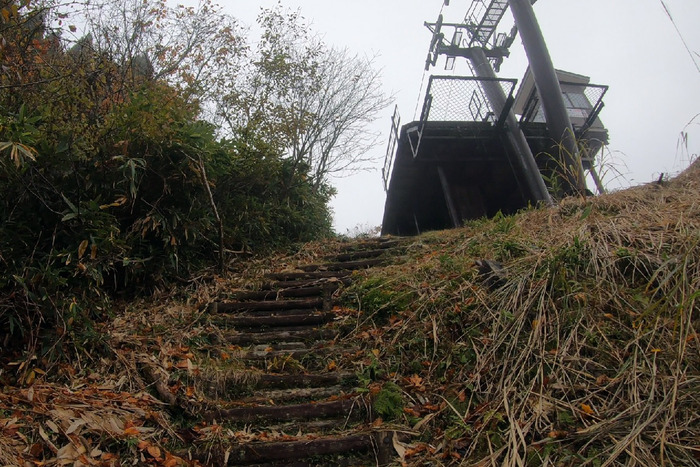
(630, 45)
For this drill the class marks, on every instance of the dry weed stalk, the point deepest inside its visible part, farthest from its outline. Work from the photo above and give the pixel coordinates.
(588, 354)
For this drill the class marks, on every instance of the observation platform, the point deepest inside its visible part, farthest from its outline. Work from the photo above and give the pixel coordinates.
(453, 164)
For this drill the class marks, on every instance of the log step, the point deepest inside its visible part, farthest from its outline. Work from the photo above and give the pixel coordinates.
(291, 292)
(276, 396)
(296, 276)
(379, 243)
(343, 266)
(287, 284)
(246, 454)
(265, 354)
(356, 255)
(281, 381)
(276, 413)
(305, 334)
(277, 320)
(265, 305)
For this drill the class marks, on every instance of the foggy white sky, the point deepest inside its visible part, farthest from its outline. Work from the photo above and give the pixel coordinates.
(630, 45)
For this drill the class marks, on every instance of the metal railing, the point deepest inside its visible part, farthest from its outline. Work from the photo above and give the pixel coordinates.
(391, 147)
(459, 99)
(583, 103)
(462, 99)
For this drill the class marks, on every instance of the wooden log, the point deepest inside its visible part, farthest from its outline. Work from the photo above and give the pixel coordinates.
(266, 413)
(295, 276)
(299, 292)
(280, 321)
(158, 381)
(357, 255)
(263, 355)
(345, 279)
(292, 394)
(291, 312)
(343, 266)
(268, 305)
(348, 460)
(384, 243)
(304, 334)
(288, 450)
(269, 381)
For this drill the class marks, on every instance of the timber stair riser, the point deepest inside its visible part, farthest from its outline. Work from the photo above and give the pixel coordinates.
(289, 329)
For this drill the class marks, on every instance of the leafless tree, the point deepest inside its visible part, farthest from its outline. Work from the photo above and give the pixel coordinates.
(333, 135)
(190, 47)
(312, 103)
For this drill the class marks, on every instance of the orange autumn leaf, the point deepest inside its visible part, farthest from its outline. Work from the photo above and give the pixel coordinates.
(332, 365)
(585, 408)
(153, 451)
(131, 431)
(415, 381)
(143, 445)
(416, 450)
(557, 434)
(182, 364)
(172, 461)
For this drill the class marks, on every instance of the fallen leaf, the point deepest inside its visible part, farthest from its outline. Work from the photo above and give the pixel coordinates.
(332, 365)
(602, 380)
(183, 364)
(416, 381)
(399, 447)
(425, 420)
(153, 451)
(36, 450)
(557, 434)
(52, 426)
(67, 453)
(75, 425)
(587, 409)
(131, 431)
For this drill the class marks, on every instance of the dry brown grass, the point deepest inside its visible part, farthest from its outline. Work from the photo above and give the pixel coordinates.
(584, 352)
(587, 353)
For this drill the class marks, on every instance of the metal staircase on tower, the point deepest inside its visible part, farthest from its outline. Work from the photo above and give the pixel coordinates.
(482, 20)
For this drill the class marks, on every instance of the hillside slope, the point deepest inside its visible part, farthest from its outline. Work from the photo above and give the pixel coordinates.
(559, 336)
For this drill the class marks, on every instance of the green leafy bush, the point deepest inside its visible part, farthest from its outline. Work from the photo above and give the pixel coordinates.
(111, 186)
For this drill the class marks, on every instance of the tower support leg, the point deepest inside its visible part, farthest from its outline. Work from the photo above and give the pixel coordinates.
(523, 163)
(568, 164)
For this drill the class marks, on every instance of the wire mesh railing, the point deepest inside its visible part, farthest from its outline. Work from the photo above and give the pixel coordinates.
(583, 103)
(463, 99)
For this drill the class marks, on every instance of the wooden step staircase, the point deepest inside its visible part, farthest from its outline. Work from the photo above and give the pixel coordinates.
(298, 401)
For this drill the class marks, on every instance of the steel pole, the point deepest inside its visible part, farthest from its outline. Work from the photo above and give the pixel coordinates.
(524, 162)
(568, 164)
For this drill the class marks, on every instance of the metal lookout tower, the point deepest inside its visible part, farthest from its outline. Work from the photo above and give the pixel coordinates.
(480, 146)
